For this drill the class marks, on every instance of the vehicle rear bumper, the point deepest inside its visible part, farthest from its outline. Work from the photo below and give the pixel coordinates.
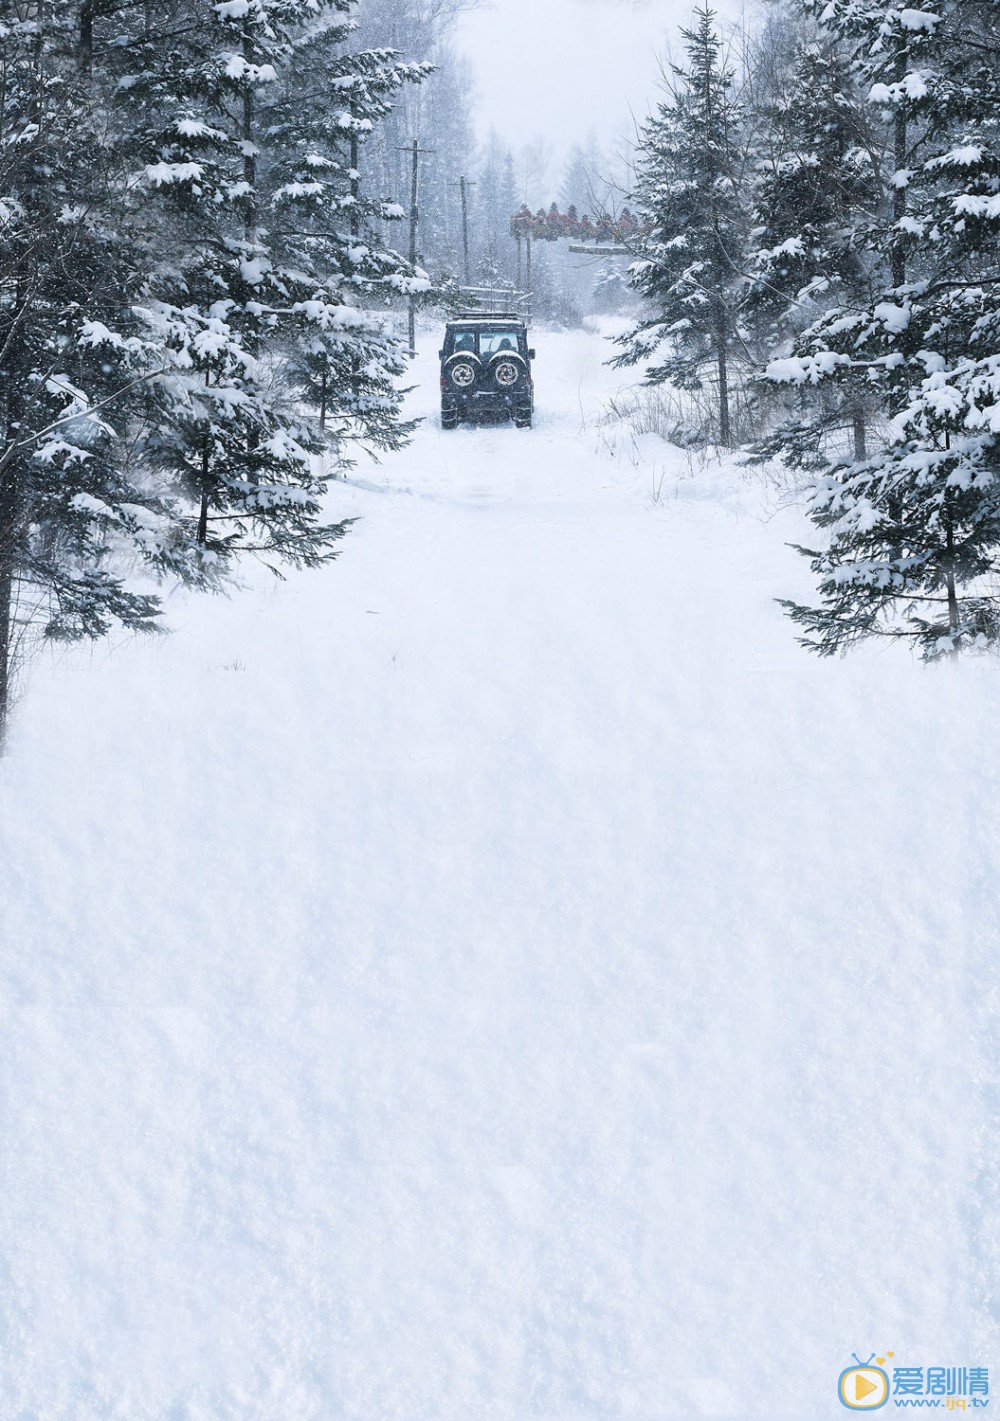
(485, 402)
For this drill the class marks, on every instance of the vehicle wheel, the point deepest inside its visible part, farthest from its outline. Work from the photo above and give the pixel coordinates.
(522, 421)
(449, 419)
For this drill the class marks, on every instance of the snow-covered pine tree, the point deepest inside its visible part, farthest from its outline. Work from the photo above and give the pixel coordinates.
(268, 281)
(180, 236)
(78, 514)
(815, 185)
(325, 224)
(688, 188)
(914, 528)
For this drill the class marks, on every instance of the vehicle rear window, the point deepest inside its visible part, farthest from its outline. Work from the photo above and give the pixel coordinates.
(492, 341)
(484, 342)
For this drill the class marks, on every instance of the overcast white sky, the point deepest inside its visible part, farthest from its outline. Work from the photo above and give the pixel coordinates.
(564, 67)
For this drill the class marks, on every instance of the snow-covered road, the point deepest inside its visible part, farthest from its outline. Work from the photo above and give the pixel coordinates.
(498, 976)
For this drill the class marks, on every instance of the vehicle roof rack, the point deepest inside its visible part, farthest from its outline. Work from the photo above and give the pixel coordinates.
(486, 316)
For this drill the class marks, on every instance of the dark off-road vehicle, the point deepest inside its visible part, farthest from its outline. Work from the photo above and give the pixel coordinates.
(486, 369)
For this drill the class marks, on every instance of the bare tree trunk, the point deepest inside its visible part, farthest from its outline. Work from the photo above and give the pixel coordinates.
(11, 495)
(725, 435)
(414, 219)
(953, 618)
(898, 260)
(355, 183)
(860, 433)
(206, 469)
(86, 35)
(206, 473)
(249, 159)
(8, 500)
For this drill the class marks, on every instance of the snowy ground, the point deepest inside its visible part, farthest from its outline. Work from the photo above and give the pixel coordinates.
(499, 976)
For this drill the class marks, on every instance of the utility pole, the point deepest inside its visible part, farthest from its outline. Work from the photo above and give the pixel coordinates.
(528, 287)
(464, 184)
(416, 150)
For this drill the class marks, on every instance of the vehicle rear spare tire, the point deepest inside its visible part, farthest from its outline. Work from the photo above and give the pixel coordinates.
(463, 371)
(508, 372)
